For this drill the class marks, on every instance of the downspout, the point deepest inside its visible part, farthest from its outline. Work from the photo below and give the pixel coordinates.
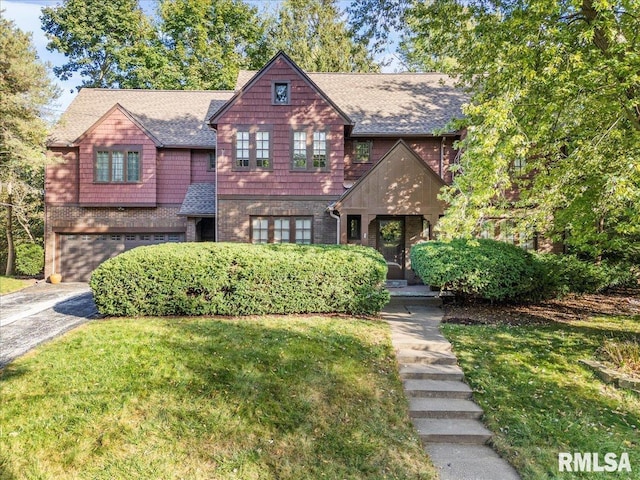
(215, 195)
(331, 209)
(442, 146)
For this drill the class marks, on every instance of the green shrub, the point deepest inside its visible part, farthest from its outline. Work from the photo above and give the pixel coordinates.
(241, 279)
(569, 274)
(29, 259)
(480, 268)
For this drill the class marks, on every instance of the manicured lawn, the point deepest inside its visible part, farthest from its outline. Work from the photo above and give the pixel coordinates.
(540, 401)
(260, 398)
(9, 284)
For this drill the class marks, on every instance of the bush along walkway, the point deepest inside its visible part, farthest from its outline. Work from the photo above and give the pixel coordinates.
(440, 403)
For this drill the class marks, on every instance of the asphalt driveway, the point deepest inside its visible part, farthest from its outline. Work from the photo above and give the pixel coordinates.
(39, 313)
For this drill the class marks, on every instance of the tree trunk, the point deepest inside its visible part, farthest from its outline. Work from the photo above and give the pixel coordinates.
(11, 254)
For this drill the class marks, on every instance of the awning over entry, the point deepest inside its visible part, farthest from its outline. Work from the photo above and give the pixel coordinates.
(200, 201)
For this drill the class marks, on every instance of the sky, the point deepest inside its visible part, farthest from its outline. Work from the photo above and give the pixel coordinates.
(26, 15)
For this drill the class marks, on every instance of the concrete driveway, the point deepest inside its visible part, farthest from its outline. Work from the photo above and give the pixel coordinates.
(39, 313)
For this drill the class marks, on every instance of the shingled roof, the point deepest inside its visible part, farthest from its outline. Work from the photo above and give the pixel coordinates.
(390, 103)
(176, 118)
(200, 201)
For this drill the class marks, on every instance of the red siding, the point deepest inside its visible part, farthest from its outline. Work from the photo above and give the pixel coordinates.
(174, 175)
(117, 129)
(200, 172)
(61, 180)
(307, 109)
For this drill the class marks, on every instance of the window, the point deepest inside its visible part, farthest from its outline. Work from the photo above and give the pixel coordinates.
(211, 165)
(129, 238)
(260, 230)
(319, 149)
(281, 229)
(145, 238)
(363, 152)
(303, 230)
(253, 148)
(300, 150)
(116, 238)
(174, 237)
(117, 165)
(262, 150)
(281, 93)
(158, 237)
(518, 166)
(354, 227)
(242, 149)
(310, 151)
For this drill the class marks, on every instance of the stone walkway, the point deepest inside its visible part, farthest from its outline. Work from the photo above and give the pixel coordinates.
(440, 403)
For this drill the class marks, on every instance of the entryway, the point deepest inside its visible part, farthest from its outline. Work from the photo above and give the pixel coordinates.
(391, 244)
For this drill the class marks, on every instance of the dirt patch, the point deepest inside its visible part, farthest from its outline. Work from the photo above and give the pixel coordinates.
(571, 308)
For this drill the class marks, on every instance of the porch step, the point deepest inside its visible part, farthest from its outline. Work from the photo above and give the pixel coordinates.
(437, 389)
(423, 345)
(439, 430)
(425, 357)
(396, 283)
(431, 372)
(443, 408)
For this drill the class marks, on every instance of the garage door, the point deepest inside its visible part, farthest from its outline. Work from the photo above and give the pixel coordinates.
(81, 254)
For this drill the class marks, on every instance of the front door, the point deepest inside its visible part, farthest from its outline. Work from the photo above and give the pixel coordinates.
(390, 243)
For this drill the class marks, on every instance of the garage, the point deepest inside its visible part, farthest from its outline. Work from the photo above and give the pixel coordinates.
(80, 254)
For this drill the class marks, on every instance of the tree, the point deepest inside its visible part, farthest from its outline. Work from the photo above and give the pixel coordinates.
(110, 44)
(313, 34)
(208, 41)
(555, 84)
(24, 90)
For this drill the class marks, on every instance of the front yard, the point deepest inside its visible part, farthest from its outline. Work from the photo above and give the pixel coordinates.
(252, 398)
(522, 363)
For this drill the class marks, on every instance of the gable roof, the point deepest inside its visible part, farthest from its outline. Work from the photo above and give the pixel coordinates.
(257, 75)
(400, 147)
(392, 104)
(171, 117)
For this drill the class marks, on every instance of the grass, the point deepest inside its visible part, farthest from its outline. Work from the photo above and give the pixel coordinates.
(261, 398)
(539, 401)
(9, 284)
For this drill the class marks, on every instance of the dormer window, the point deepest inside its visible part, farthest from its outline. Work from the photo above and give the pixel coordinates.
(281, 93)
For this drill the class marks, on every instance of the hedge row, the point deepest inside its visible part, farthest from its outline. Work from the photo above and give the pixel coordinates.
(498, 271)
(241, 279)
(479, 268)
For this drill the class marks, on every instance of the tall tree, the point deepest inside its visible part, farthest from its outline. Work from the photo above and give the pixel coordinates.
(208, 41)
(555, 84)
(314, 34)
(25, 89)
(110, 44)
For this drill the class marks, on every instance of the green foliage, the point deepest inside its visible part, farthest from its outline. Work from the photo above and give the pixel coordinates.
(482, 268)
(25, 89)
(241, 279)
(557, 83)
(568, 274)
(314, 35)
(29, 259)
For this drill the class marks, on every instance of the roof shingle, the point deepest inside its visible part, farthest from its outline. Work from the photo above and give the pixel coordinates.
(200, 200)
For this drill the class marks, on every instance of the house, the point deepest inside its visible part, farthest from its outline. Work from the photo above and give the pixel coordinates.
(288, 156)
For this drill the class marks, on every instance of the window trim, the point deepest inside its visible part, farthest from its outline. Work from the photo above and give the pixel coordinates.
(271, 227)
(252, 130)
(369, 144)
(309, 143)
(275, 83)
(125, 150)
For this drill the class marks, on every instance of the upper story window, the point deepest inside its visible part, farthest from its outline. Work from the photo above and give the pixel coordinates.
(363, 152)
(211, 161)
(310, 150)
(117, 165)
(253, 149)
(281, 93)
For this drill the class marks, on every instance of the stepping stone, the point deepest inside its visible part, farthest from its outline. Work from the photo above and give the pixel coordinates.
(428, 358)
(440, 430)
(431, 372)
(469, 462)
(437, 388)
(443, 408)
